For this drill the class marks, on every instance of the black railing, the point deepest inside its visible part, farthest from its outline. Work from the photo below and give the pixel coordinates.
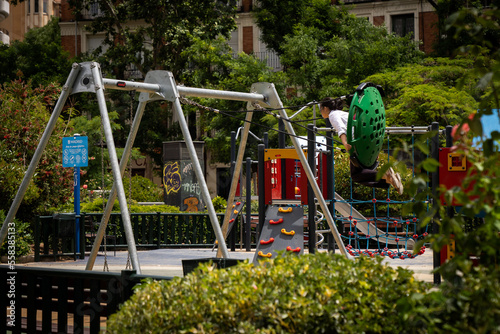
(62, 301)
(55, 238)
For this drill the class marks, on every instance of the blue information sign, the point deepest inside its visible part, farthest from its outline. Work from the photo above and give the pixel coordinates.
(75, 151)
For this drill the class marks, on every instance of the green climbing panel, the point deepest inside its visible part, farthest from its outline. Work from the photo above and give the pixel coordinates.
(367, 121)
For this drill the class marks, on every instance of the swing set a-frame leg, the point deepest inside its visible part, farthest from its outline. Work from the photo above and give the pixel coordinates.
(115, 167)
(30, 172)
(112, 195)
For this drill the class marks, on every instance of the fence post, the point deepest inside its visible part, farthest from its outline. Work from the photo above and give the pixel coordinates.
(262, 194)
(127, 282)
(330, 181)
(311, 160)
(435, 186)
(248, 225)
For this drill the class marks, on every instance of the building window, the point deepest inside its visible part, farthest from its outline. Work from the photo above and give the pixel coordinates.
(94, 9)
(45, 6)
(403, 25)
(29, 6)
(37, 6)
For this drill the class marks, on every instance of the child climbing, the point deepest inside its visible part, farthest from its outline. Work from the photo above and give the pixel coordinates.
(331, 109)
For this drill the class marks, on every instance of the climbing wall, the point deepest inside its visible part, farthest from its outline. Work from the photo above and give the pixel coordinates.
(237, 206)
(283, 230)
(235, 211)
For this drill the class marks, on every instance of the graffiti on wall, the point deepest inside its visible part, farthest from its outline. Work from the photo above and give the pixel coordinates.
(192, 204)
(182, 189)
(172, 177)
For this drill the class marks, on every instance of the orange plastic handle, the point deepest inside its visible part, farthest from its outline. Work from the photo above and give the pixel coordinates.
(290, 209)
(264, 255)
(267, 242)
(296, 250)
(292, 232)
(274, 222)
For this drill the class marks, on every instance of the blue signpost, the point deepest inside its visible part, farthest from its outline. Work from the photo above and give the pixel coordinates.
(76, 154)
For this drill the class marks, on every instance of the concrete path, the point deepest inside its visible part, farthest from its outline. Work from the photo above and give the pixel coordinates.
(168, 262)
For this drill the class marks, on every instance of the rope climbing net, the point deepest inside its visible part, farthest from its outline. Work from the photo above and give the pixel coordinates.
(386, 232)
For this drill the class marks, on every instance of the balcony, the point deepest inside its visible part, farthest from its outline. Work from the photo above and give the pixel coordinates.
(4, 9)
(269, 57)
(4, 36)
(92, 12)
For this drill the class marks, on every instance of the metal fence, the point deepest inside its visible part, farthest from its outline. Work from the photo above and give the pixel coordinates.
(55, 237)
(62, 301)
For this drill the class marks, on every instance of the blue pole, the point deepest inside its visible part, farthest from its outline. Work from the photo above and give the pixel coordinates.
(76, 184)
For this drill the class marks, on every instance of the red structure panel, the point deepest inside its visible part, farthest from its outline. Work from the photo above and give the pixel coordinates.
(452, 172)
(320, 179)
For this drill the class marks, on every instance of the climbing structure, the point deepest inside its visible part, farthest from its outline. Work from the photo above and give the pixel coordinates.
(283, 230)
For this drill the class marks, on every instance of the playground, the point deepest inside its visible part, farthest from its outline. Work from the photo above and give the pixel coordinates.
(291, 180)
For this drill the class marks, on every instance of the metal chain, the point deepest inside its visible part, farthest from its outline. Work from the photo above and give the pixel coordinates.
(183, 100)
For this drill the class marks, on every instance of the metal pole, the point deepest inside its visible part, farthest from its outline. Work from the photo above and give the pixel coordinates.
(219, 94)
(248, 224)
(311, 160)
(330, 181)
(281, 144)
(117, 175)
(201, 178)
(76, 205)
(435, 186)
(236, 175)
(66, 90)
(261, 185)
(112, 195)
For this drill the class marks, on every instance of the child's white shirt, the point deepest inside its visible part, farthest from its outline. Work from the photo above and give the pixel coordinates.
(338, 119)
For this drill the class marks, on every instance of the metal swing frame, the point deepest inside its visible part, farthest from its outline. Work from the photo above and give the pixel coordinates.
(159, 86)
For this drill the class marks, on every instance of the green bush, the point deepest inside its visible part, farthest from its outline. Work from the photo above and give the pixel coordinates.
(23, 239)
(314, 293)
(220, 204)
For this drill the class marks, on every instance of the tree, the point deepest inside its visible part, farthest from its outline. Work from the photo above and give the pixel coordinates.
(325, 50)
(24, 113)
(39, 57)
(449, 38)
(420, 94)
(151, 35)
(212, 66)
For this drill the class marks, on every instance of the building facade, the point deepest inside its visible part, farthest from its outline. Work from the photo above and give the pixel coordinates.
(401, 17)
(24, 16)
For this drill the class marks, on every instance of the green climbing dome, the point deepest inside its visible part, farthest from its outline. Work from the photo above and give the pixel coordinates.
(367, 124)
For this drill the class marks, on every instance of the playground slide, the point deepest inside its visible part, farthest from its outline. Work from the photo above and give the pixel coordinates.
(346, 210)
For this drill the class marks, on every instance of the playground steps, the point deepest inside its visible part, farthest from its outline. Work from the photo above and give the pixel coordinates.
(283, 230)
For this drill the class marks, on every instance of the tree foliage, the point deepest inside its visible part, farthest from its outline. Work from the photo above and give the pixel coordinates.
(152, 35)
(450, 38)
(39, 57)
(420, 94)
(24, 114)
(325, 50)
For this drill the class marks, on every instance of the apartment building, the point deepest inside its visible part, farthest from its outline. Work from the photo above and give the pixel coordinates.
(4, 14)
(246, 38)
(16, 20)
(401, 17)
